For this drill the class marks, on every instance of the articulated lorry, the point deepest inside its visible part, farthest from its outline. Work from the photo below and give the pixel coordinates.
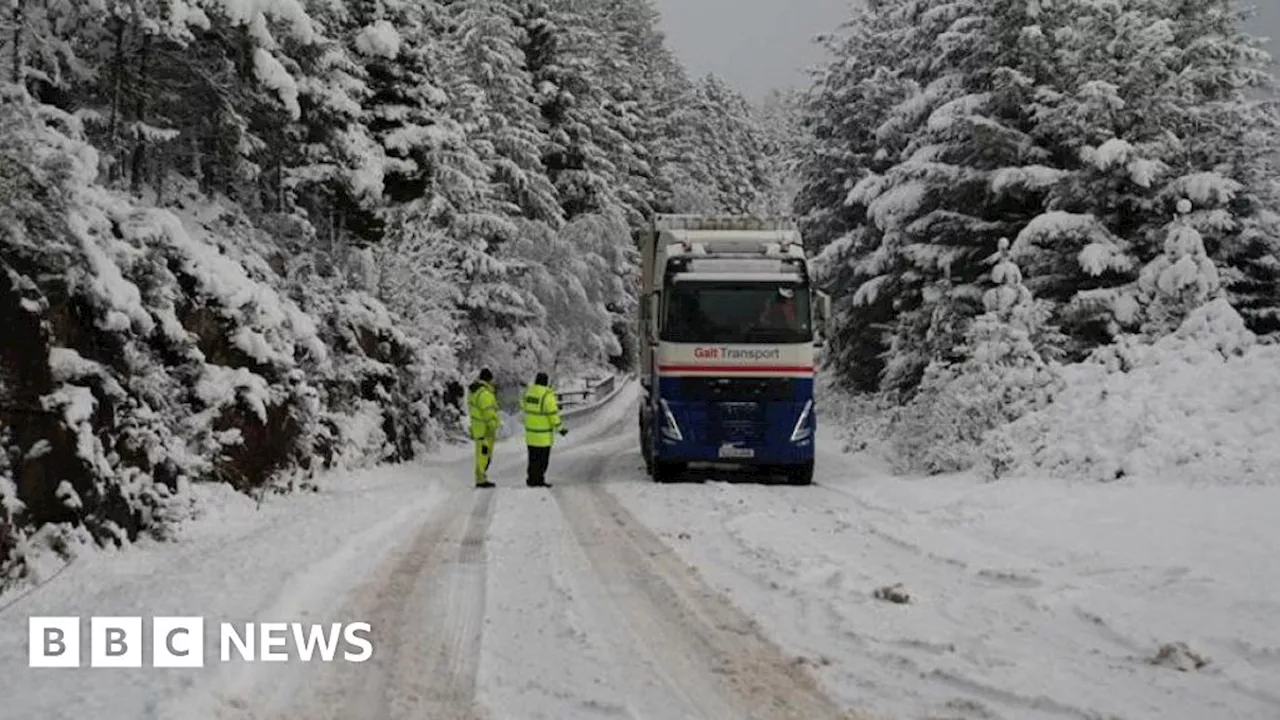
(729, 324)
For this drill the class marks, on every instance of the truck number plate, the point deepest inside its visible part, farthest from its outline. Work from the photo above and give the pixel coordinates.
(729, 451)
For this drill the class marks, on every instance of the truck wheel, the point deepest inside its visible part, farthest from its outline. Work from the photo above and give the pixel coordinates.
(647, 452)
(667, 472)
(646, 449)
(800, 474)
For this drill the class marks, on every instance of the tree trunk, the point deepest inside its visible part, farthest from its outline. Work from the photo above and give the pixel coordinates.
(117, 90)
(140, 117)
(197, 164)
(19, 18)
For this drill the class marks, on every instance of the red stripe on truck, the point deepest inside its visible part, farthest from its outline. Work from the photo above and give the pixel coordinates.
(736, 368)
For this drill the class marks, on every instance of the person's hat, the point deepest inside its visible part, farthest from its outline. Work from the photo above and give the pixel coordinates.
(786, 292)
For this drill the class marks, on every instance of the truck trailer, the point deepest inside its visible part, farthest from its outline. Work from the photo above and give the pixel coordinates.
(729, 326)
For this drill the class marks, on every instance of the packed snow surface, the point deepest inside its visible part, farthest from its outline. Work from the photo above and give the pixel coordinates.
(1027, 599)
(609, 596)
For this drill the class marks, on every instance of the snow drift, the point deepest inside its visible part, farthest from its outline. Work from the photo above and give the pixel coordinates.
(1201, 405)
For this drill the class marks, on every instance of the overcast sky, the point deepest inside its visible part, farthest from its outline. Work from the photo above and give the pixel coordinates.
(758, 45)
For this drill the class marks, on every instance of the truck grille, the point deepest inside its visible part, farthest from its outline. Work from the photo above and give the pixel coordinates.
(746, 390)
(737, 422)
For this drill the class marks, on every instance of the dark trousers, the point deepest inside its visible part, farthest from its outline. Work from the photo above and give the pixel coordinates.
(539, 459)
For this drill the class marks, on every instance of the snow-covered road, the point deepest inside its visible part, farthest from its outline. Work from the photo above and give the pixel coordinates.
(610, 597)
(1027, 599)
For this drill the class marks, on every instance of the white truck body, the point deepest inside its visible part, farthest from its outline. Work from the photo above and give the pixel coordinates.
(728, 328)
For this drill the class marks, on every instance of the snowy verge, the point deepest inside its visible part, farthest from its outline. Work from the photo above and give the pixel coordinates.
(1199, 406)
(286, 559)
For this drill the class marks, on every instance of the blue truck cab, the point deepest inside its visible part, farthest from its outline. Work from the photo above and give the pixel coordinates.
(730, 324)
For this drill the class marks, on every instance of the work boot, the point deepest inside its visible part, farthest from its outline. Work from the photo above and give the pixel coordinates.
(485, 484)
(538, 483)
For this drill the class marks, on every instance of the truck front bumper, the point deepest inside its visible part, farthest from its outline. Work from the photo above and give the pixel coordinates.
(691, 452)
(688, 433)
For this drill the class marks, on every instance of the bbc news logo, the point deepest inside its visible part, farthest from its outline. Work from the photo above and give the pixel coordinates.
(179, 642)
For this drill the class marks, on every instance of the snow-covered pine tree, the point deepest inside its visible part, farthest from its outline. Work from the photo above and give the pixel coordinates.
(1251, 262)
(490, 95)
(328, 167)
(626, 33)
(602, 70)
(1178, 281)
(399, 48)
(120, 44)
(151, 79)
(851, 97)
(687, 183)
(578, 276)
(407, 108)
(1072, 125)
(1142, 103)
(730, 144)
(561, 49)
(1242, 142)
(495, 93)
(1001, 374)
(442, 206)
(660, 124)
(929, 215)
(778, 116)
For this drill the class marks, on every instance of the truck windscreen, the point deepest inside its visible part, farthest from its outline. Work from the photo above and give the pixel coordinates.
(742, 312)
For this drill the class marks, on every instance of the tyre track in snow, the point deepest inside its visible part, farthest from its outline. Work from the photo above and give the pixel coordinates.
(426, 607)
(711, 654)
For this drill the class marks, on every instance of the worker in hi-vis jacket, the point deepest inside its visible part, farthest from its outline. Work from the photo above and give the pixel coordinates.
(482, 405)
(541, 424)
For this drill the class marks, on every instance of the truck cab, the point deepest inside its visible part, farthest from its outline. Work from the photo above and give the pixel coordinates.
(732, 323)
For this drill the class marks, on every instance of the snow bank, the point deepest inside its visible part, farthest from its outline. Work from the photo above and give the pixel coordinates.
(1199, 406)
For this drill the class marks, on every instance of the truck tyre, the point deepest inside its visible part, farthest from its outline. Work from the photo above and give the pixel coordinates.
(800, 474)
(667, 472)
(646, 447)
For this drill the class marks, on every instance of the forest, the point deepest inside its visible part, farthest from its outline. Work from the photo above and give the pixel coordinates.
(1051, 229)
(246, 241)
(243, 241)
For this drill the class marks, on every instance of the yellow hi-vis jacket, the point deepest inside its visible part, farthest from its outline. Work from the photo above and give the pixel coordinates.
(541, 416)
(482, 404)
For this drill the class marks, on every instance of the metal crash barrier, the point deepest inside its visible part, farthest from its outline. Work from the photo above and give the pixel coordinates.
(594, 391)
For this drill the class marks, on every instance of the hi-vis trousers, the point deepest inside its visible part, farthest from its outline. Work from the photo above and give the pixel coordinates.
(484, 457)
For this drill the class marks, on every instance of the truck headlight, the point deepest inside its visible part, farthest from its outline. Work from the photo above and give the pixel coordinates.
(802, 430)
(669, 426)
